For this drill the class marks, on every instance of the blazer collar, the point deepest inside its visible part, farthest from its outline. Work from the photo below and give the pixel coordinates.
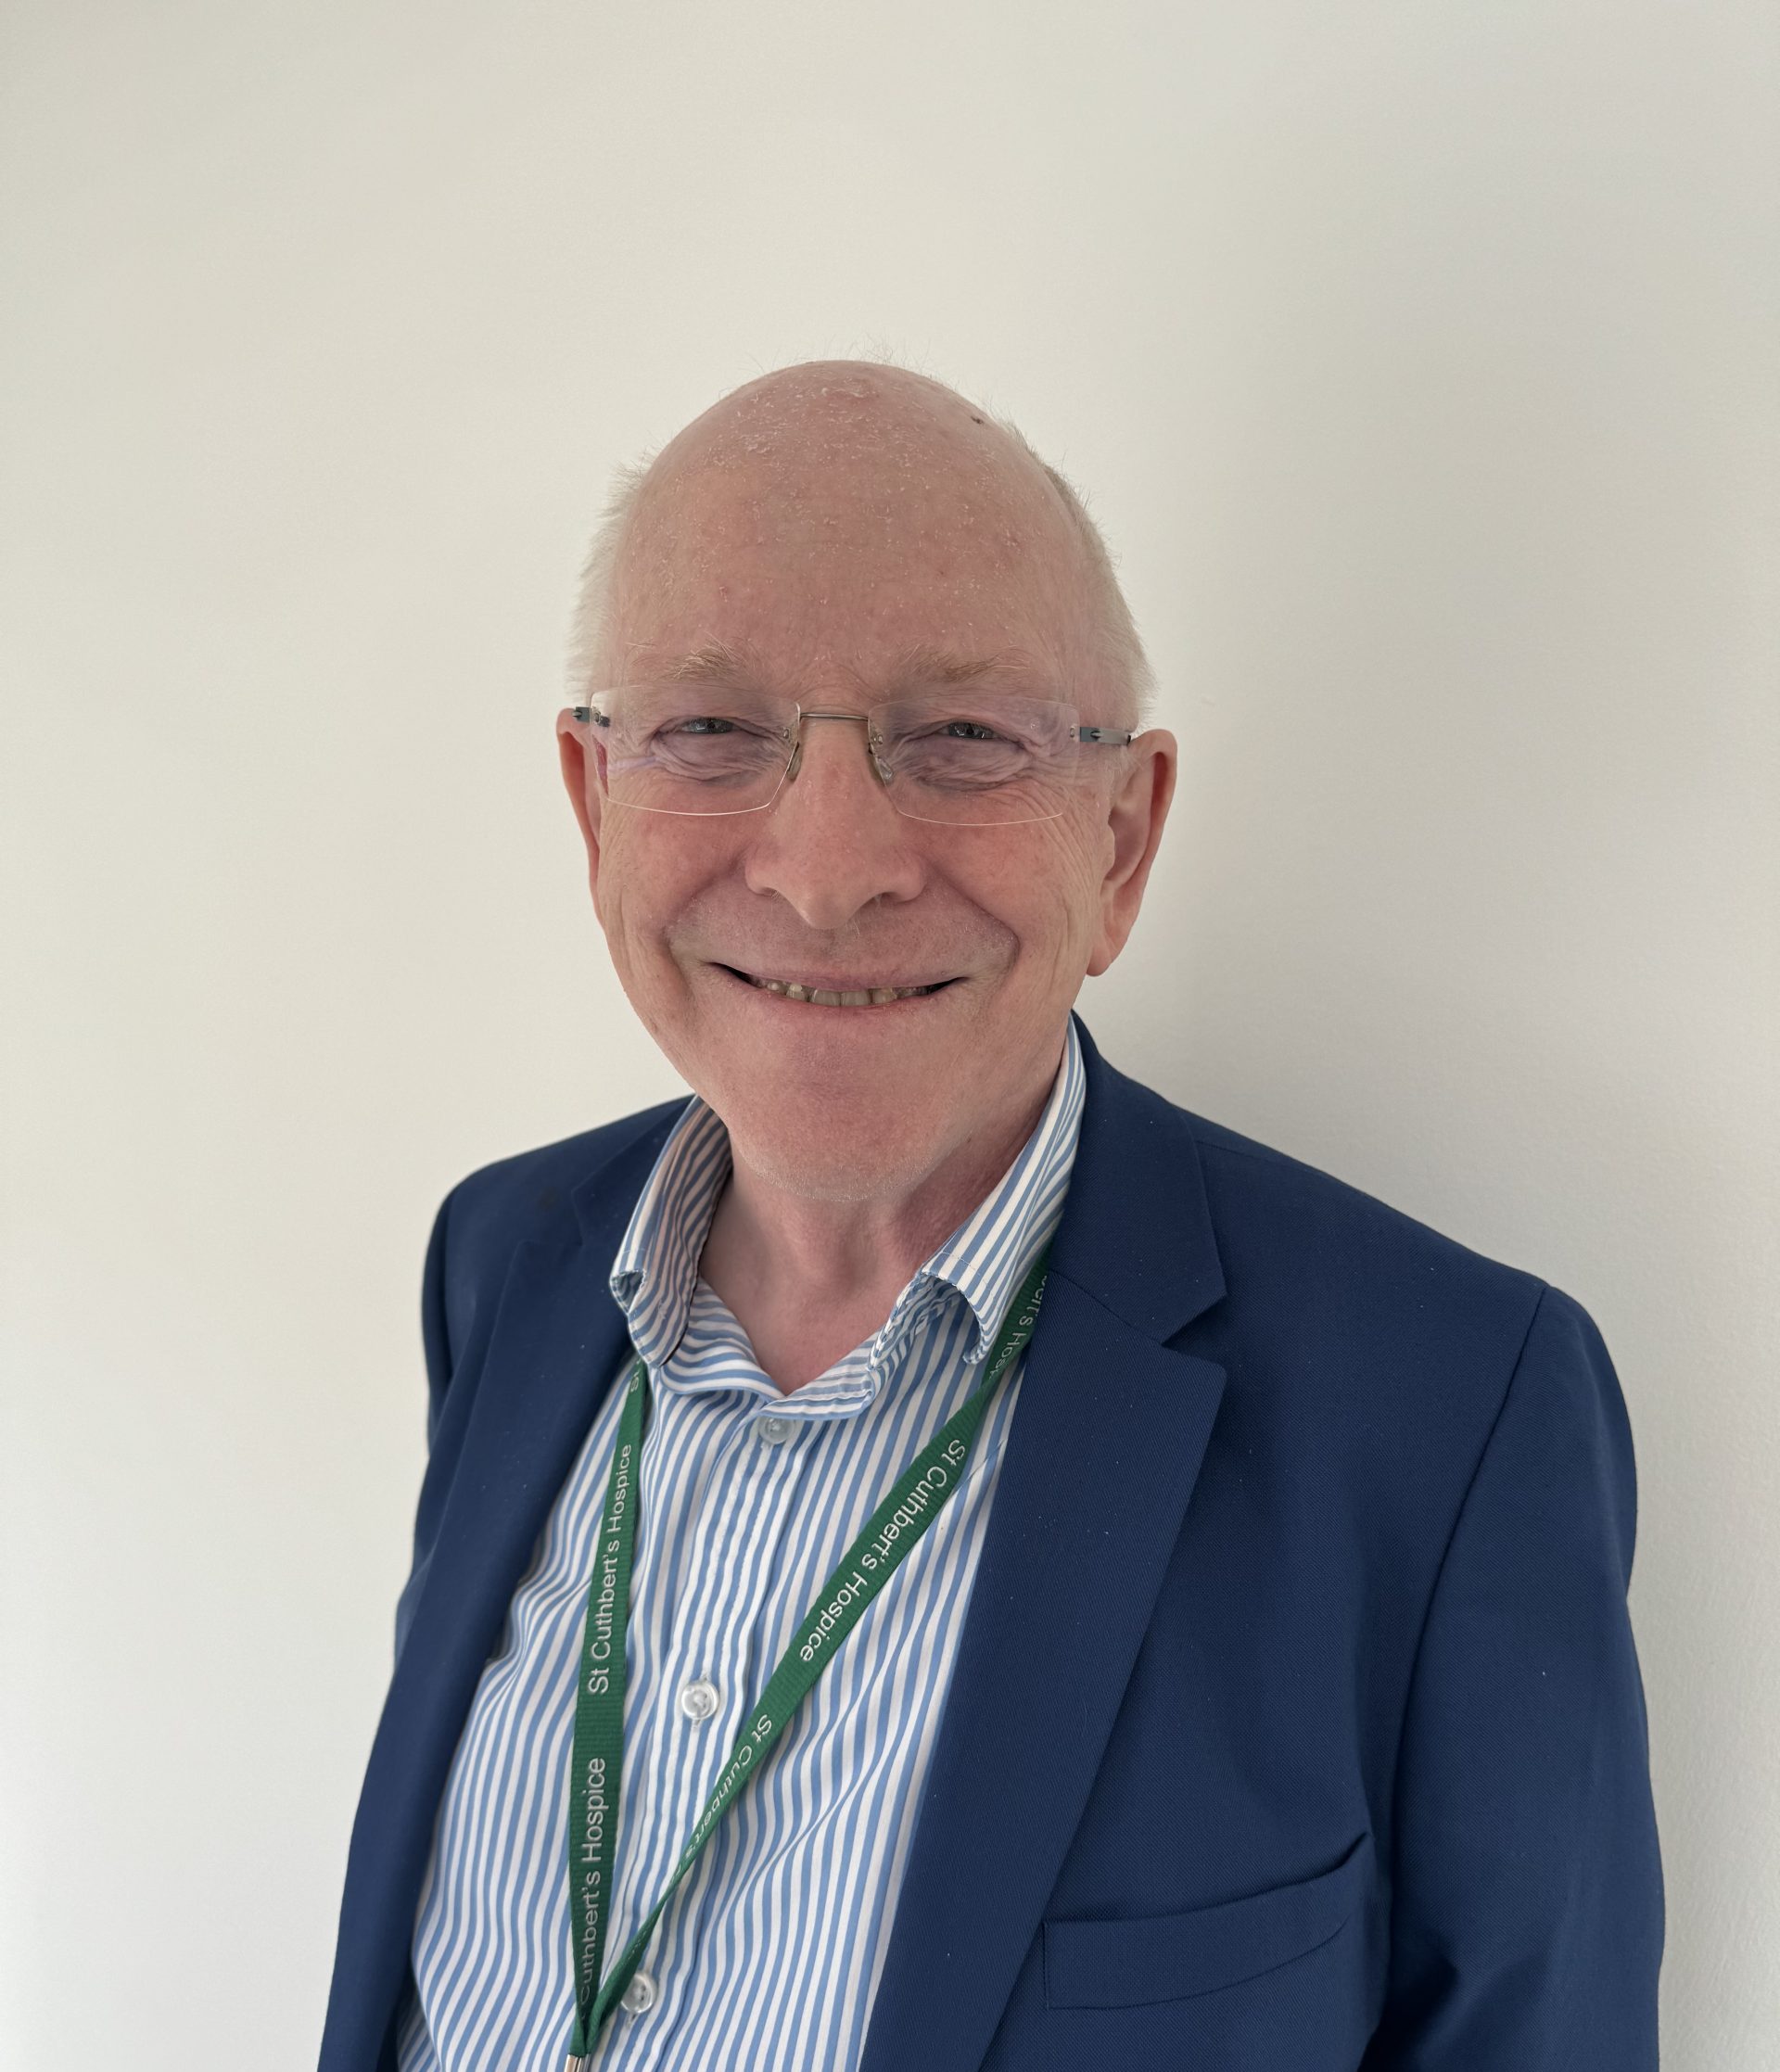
(1160, 1269)
(1157, 1272)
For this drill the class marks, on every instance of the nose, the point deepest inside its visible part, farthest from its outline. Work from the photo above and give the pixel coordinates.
(831, 841)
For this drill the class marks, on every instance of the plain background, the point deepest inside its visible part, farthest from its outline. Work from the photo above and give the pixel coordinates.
(1418, 360)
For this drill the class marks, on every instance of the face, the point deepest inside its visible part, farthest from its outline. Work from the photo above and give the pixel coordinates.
(819, 530)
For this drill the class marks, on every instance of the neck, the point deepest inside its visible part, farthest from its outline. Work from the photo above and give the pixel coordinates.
(810, 1277)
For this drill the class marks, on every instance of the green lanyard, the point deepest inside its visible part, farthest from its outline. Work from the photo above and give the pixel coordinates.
(914, 1501)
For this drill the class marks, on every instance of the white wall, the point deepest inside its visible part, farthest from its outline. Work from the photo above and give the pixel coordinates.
(1417, 361)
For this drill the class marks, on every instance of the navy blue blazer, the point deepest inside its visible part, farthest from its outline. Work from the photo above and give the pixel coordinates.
(1297, 1724)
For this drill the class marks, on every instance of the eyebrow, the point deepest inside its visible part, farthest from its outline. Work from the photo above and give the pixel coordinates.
(717, 662)
(713, 663)
(926, 664)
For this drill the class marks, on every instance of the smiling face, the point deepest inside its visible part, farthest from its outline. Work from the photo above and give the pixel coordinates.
(838, 534)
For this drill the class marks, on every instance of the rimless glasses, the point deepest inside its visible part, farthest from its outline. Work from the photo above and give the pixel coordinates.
(987, 759)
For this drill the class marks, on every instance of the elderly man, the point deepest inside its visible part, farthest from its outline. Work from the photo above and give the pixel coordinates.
(932, 1555)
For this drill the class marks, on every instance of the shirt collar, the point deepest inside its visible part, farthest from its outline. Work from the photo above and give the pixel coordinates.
(984, 1261)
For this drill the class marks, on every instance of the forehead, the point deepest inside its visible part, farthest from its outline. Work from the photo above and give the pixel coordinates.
(853, 527)
(923, 665)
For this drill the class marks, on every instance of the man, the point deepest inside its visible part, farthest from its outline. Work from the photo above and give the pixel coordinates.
(932, 1555)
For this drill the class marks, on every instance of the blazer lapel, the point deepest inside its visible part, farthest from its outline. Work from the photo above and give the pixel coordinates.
(1102, 1456)
(554, 1348)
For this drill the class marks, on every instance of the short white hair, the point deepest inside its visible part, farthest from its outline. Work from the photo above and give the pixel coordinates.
(594, 599)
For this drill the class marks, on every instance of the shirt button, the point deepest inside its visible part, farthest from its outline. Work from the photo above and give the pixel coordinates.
(773, 1431)
(639, 1996)
(698, 1700)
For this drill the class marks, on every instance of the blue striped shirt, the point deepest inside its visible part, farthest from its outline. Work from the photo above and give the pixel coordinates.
(770, 1951)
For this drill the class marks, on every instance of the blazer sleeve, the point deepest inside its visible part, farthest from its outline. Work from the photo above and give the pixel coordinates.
(1527, 1898)
(436, 1339)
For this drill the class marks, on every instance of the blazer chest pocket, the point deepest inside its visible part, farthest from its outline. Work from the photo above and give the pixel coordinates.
(1172, 1956)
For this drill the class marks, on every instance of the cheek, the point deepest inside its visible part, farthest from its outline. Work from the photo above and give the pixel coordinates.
(653, 872)
(1047, 888)
(635, 889)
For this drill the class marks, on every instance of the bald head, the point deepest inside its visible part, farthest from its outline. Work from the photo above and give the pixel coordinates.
(814, 514)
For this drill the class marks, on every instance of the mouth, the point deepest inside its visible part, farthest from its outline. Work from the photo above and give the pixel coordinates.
(810, 994)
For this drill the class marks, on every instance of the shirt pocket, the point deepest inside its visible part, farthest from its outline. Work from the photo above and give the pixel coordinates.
(1173, 1956)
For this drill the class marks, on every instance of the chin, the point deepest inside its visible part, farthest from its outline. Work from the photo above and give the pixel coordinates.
(827, 1151)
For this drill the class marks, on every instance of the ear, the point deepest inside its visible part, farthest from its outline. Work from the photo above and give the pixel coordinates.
(579, 758)
(1135, 815)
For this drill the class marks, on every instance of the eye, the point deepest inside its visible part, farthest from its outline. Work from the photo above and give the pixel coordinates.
(967, 729)
(701, 723)
(691, 733)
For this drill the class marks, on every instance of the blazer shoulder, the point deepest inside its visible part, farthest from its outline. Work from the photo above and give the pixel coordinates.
(530, 1195)
(1269, 1204)
(1357, 1318)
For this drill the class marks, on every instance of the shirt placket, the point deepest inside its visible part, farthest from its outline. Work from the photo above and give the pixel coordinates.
(711, 1666)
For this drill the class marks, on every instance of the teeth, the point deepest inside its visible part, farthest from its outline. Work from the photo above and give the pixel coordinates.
(877, 995)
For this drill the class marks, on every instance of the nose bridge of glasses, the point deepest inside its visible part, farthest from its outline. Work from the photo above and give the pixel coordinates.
(807, 713)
